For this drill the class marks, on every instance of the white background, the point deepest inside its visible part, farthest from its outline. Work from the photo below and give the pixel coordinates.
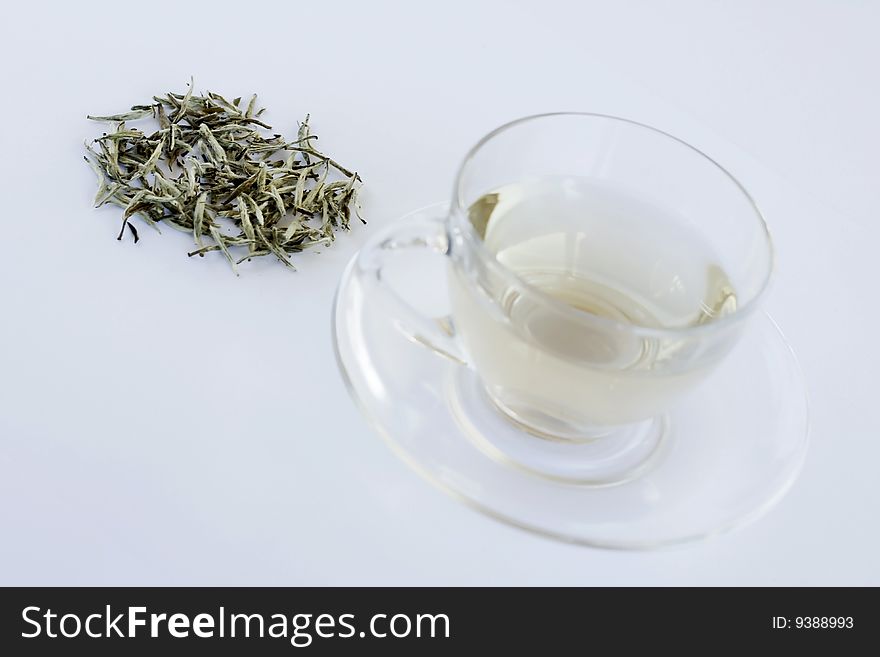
(162, 422)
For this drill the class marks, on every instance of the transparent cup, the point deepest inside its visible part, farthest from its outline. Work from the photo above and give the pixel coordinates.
(555, 370)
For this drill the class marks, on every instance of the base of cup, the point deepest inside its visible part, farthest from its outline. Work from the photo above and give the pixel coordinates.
(599, 456)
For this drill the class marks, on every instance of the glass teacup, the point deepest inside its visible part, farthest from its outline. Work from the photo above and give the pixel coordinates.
(599, 269)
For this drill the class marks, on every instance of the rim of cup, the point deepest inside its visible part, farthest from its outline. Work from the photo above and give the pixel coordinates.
(458, 212)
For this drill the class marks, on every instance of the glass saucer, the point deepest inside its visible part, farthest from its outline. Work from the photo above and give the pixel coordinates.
(728, 452)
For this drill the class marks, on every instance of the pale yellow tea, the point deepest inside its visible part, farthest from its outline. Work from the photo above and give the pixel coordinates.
(616, 260)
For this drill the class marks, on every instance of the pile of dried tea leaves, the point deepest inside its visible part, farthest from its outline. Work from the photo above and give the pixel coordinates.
(212, 170)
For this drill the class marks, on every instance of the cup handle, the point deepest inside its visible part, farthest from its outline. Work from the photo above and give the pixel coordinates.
(421, 231)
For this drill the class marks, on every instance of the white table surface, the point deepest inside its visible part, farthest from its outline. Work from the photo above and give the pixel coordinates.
(136, 448)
